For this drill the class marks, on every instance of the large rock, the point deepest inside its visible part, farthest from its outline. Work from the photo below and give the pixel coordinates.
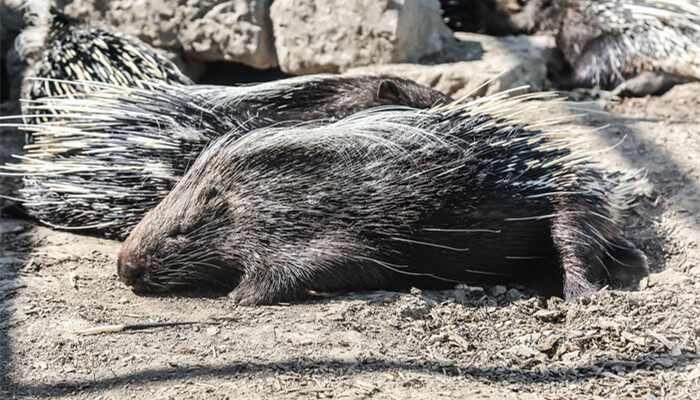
(314, 36)
(207, 30)
(465, 67)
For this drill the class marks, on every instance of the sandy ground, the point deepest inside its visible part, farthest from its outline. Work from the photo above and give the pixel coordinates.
(472, 342)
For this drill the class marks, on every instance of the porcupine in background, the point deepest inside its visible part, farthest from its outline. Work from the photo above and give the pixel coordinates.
(69, 50)
(116, 151)
(102, 153)
(634, 47)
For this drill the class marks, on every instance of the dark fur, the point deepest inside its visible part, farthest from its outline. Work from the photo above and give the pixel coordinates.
(408, 199)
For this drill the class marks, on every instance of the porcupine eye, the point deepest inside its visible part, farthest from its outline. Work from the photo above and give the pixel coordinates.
(209, 193)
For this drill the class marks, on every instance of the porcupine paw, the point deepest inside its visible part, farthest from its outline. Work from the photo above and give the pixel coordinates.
(626, 264)
(263, 288)
(579, 289)
(245, 296)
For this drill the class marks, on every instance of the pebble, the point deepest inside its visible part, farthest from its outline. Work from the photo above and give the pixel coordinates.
(513, 294)
(498, 290)
(548, 315)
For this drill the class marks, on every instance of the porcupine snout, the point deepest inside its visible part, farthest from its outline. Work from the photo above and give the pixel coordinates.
(131, 271)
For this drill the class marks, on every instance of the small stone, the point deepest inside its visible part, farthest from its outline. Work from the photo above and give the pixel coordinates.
(513, 294)
(498, 290)
(547, 343)
(693, 375)
(664, 362)
(213, 330)
(123, 300)
(549, 315)
(570, 356)
(523, 351)
(73, 279)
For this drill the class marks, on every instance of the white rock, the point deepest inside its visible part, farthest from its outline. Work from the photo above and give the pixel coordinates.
(466, 67)
(333, 35)
(208, 30)
(238, 30)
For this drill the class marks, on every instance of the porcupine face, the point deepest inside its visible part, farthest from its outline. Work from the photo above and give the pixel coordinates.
(182, 241)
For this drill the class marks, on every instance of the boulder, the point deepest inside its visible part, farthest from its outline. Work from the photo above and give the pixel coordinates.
(465, 67)
(207, 30)
(314, 36)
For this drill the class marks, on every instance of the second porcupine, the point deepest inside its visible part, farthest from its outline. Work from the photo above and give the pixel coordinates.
(387, 199)
(107, 155)
(104, 152)
(635, 47)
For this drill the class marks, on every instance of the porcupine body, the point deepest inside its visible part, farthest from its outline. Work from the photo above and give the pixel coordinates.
(104, 156)
(636, 47)
(386, 199)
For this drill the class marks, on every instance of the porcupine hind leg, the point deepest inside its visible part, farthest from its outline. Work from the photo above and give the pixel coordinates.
(592, 253)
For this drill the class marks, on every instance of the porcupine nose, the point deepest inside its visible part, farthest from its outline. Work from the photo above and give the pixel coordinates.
(130, 273)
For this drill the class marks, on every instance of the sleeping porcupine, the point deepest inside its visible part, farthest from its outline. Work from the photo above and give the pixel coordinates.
(635, 47)
(385, 199)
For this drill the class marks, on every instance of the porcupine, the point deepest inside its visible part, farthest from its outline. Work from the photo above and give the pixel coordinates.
(116, 151)
(56, 48)
(387, 199)
(635, 47)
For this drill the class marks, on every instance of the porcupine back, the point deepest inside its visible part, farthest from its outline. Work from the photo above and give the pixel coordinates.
(386, 199)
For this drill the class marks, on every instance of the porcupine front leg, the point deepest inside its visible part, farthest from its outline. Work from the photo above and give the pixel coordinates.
(326, 264)
(646, 83)
(267, 286)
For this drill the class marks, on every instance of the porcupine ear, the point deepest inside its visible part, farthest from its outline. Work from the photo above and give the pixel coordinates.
(388, 91)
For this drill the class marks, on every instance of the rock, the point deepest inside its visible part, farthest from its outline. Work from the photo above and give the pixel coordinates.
(415, 305)
(466, 67)
(547, 343)
(208, 30)
(549, 315)
(513, 294)
(238, 30)
(333, 35)
(523, 351)
(498, 290)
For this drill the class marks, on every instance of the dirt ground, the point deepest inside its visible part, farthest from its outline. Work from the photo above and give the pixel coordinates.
(471, 342)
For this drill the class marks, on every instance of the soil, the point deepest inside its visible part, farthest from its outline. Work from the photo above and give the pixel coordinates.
(499, 342)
